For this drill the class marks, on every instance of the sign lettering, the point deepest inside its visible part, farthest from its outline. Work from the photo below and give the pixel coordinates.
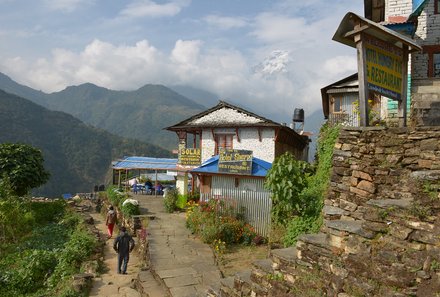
(384, 67)
(235, 161)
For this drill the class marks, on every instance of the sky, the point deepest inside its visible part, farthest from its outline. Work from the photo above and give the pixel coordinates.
(270, 56)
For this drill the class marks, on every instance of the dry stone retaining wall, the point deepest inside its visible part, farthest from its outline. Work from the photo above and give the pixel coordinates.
(381, 230)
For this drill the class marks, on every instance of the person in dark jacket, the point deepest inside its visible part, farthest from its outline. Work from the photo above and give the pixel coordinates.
(123, 245)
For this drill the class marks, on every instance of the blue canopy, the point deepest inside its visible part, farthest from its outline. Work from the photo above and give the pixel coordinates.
(210, 166)
(146, 163)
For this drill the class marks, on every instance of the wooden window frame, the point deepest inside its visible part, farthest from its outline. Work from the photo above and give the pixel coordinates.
(333, 100)
(225, 135)
(431, 50)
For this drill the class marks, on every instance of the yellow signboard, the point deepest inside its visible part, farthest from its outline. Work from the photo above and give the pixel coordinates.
(189, 156)
(384, 67)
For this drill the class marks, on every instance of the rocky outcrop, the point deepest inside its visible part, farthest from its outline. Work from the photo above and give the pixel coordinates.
(381, 231)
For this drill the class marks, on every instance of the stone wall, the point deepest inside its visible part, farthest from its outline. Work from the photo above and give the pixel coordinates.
(381, 230)
(381, 212)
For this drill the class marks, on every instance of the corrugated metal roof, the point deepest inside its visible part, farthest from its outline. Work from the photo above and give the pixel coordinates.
(146, 163)
(210, 166)
(343, 90)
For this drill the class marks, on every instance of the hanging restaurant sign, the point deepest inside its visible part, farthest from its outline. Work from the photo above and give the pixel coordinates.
(384, 67)
(189, 156)
(235, 161)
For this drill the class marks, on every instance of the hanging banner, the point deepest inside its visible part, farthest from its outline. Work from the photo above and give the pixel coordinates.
(235, 161)
(384, 67)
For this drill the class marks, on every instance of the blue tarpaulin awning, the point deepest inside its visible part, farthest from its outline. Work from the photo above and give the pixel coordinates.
(146, 163)
(210, 166)
(417, 8)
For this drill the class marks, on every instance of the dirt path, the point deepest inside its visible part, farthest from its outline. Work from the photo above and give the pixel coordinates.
(110, 283)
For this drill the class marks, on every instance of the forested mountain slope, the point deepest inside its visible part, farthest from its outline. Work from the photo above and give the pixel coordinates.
(77, 155)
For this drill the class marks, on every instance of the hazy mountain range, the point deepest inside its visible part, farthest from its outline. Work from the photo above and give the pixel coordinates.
(77, 155)
(68, 126)
(141, 114)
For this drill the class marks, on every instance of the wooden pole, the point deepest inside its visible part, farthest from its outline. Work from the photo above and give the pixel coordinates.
(362, 78)
(402, 103)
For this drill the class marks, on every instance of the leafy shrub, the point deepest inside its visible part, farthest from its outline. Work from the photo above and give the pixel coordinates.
(310, 219)
(45, 212)
(79, 247)
(286, 179)
(300, 225)
(129, 209)
(213, 221)
(43, 263)
(181, 201)
(115, 196)
(170, 200)
(26, 272)
(16, 219)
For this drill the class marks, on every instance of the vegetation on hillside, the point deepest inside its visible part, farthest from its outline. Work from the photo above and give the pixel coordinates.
(77, 156)
(22, 165)
(298, 190)
(43, 244)
(140, 114)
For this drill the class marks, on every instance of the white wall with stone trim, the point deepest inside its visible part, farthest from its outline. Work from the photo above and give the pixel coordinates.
(397, 8)
(249, 140)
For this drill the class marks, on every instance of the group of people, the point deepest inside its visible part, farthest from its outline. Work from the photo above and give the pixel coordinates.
(158, 188)
(123, 243)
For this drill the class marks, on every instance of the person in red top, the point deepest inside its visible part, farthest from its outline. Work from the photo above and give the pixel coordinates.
(110, 221)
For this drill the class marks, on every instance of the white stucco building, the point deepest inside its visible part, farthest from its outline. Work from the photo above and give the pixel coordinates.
(231, 127)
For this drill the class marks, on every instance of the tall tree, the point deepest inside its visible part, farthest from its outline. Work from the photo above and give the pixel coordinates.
(23, 166)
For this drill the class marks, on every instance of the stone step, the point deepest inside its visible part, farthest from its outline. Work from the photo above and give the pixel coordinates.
(262, 270)
(226, 288)
(244, 284)
(340, 227)
(286, 256)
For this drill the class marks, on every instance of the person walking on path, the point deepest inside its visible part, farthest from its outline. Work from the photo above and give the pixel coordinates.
(110, 221)
(123, 245)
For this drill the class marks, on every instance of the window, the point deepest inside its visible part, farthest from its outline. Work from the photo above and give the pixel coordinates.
(433, 52)
(436, 6)
(223, 141)
(337, 104)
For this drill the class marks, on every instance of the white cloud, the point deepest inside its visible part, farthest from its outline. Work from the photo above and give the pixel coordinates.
(307, 59)
(225, 23)
(148, 8)
(186, 52)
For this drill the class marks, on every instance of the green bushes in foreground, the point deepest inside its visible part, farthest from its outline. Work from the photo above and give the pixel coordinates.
(298, 190)
(216, 221)
(42, 262)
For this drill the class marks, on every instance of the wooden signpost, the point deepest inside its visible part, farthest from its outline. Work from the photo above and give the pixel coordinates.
(382, 56)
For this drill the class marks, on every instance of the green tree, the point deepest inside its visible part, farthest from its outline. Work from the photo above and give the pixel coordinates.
(23, 166)
(286, 180)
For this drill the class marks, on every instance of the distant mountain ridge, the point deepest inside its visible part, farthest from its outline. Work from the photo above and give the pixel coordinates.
(141, 114)
(77, 155)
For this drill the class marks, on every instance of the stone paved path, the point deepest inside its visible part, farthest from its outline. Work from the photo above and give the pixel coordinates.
(184, 264)
(111, 284)
(180, 264)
